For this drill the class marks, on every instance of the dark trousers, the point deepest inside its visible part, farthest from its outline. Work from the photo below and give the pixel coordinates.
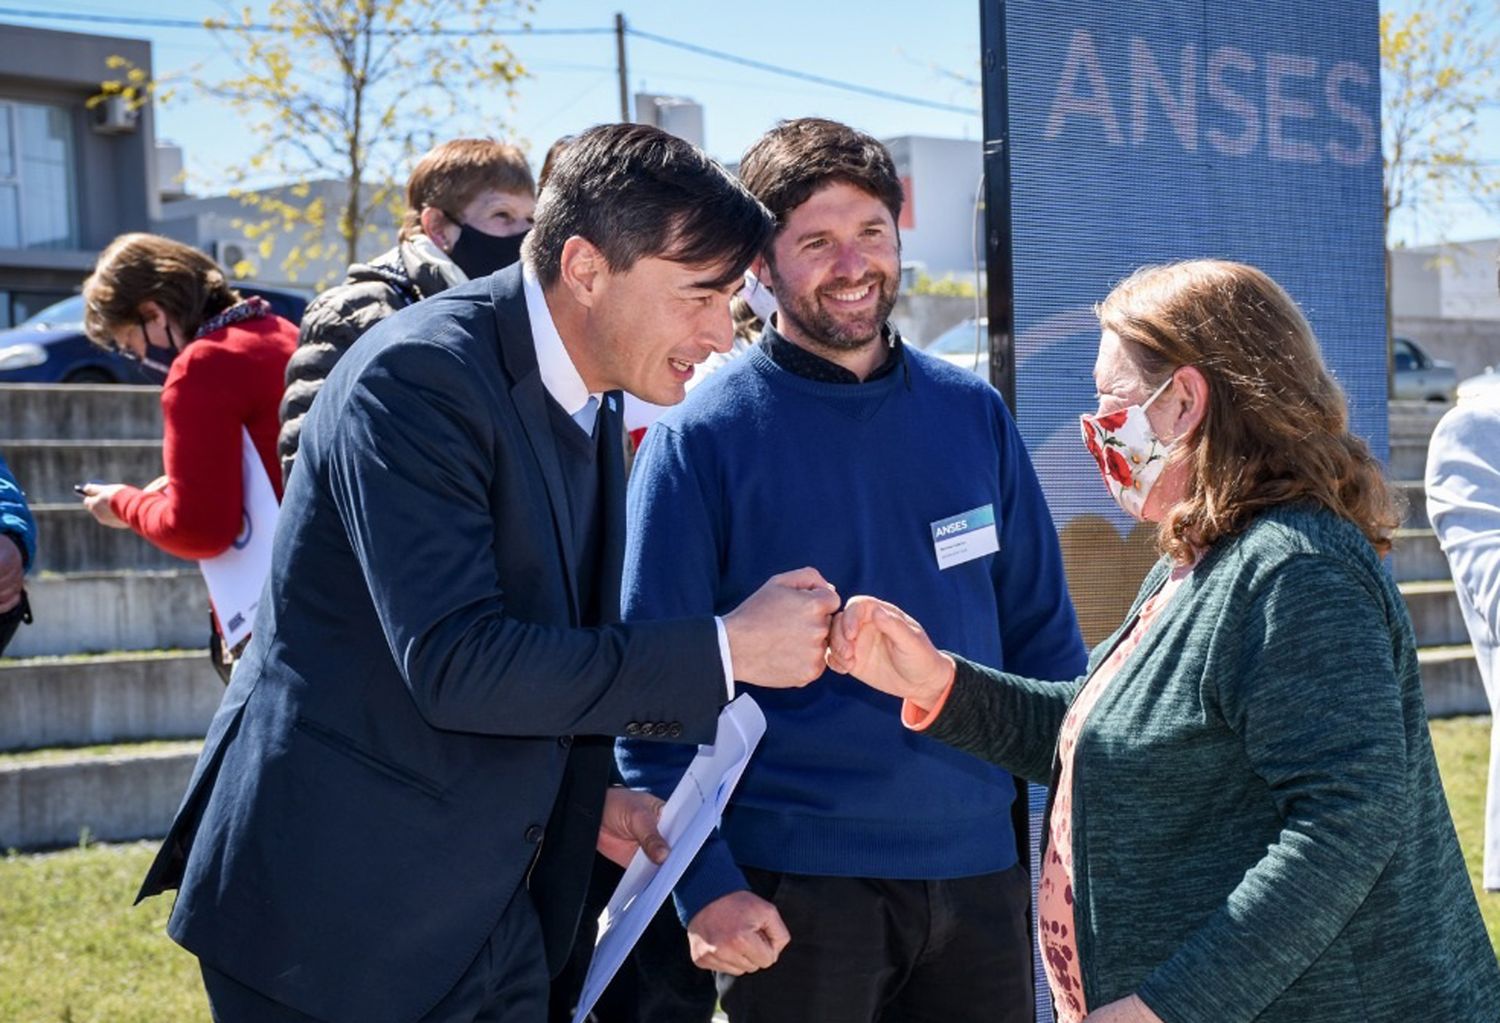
(506, 982)
(657, 983)
(876, 951)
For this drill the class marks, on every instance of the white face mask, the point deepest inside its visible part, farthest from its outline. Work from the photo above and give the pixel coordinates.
(1129, 453)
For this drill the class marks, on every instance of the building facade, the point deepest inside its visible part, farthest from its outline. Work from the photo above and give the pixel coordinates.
(71, 177)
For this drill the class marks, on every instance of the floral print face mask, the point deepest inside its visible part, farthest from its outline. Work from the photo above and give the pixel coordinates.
(1129, 453)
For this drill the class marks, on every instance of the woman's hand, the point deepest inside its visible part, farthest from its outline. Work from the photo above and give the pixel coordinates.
(1126, 1010)
(96, 497)
(886, 649)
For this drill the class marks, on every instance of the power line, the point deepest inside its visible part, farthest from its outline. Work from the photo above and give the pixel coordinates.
(704, 51)
(189, 23)
(832, 83)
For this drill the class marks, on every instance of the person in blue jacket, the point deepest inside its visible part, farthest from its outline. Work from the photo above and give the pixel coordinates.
(15, 557)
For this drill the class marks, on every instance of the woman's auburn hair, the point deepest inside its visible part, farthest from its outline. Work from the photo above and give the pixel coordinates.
(189, 286)
(1276, 427)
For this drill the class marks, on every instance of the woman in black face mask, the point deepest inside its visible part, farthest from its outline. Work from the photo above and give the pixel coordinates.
(221, 359)
(469, 205)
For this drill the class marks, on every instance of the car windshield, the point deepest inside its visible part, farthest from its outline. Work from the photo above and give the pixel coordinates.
(960, 340)
(67, 313)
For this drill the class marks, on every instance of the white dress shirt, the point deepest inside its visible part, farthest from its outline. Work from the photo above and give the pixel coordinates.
(565, 384)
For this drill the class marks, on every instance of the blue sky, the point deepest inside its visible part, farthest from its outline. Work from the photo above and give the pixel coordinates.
(911, 47)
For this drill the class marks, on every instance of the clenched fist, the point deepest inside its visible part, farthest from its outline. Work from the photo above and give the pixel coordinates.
(778, 637)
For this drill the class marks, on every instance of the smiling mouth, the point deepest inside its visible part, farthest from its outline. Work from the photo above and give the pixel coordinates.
(681, 365)
(851, 294)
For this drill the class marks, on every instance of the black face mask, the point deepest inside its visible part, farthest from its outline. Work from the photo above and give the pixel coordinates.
(479, 254)
(157, 360)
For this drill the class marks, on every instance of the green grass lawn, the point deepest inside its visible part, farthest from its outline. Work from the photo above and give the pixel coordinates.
(73, 949)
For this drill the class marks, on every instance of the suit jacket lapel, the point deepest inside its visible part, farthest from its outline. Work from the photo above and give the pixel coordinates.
(518, 352)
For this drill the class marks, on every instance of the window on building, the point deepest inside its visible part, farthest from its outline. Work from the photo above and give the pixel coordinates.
(37, 210)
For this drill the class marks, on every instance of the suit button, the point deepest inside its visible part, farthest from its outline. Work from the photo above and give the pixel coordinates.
(634, 728)
(674, 730)
(534, 833)
(565, 741)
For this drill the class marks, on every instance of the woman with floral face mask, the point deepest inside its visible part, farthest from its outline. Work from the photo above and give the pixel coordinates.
(1246, 819)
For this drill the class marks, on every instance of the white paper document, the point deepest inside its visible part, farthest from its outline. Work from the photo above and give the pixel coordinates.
(235, 578)
(690, 815)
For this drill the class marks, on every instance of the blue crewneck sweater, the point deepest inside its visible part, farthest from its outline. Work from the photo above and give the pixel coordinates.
(761, 471)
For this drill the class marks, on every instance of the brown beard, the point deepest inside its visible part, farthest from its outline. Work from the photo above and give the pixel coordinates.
(818, 325)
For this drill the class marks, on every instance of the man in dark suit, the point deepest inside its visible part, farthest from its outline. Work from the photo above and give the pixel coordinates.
(397, 805)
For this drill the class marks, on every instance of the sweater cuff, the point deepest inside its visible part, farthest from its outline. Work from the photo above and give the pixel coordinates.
(711, 876)
(917, 719)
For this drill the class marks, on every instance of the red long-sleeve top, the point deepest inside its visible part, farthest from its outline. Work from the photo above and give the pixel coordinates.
(221, 382)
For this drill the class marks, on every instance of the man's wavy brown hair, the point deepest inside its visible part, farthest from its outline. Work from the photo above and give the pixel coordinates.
(1276, 427)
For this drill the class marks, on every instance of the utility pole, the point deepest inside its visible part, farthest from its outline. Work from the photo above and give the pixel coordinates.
(620, 65)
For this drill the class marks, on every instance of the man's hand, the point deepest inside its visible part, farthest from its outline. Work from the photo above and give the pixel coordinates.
(887, 649)
(630, 823)
(778, 636)
(737, 933)
(96, 497)
(1125, 1010)
(12, 572)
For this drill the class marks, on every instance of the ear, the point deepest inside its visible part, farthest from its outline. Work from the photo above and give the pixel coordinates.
(1189, 403)
(761, 271)
(437, 226)
(583, 271)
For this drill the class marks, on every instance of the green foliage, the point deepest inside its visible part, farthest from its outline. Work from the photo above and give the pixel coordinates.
(949, 286)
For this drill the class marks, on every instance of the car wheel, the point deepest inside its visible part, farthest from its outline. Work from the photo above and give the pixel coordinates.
(90, 375)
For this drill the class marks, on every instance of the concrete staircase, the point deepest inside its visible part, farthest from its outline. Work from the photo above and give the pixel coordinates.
(1450, 675)
(104, 700)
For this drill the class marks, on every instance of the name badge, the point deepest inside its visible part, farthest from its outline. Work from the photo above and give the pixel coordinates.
(965, 536)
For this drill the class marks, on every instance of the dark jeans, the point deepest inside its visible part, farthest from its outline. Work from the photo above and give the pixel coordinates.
(875, 951)
(506, 982)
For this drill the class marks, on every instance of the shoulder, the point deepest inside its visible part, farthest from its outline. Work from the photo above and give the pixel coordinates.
(1297, 542)
(949, 383)
(726, 400)
(1469, 427)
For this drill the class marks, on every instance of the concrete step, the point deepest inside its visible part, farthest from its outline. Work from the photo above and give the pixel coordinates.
(52, 798)
(1416, 556)
(1450, 681)
(1415, 419)
(1435, 613)
(74, 542)
(80, 701)
(80, 411)
(1408, 458)
(95, 612)
(47, 469)
(1416, 503)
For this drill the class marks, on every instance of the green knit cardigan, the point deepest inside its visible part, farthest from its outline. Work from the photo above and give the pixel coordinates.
(1259, 830)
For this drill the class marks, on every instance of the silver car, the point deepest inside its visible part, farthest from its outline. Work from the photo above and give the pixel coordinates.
(1420, 377)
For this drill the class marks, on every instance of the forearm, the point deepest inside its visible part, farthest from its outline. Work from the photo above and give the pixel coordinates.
(1004, 719)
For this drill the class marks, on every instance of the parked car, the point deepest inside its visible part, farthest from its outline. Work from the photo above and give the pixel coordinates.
(51, 348)
(1483, 387)
(966, 345)
(1420, 377)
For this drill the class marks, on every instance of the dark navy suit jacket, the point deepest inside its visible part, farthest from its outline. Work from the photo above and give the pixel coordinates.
(395, 756)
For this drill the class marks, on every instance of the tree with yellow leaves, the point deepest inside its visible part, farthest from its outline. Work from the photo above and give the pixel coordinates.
(353, 91)
(1439, 68)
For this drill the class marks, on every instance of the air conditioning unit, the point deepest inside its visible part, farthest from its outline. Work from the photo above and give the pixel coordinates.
(229, 252)
(114, 116)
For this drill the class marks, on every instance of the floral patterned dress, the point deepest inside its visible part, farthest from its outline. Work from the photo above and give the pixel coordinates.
(1058, 937)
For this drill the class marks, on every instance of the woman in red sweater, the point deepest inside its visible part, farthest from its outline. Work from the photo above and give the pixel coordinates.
(224, 362)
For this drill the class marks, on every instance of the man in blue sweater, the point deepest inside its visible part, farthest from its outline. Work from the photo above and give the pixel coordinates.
(863, 872)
